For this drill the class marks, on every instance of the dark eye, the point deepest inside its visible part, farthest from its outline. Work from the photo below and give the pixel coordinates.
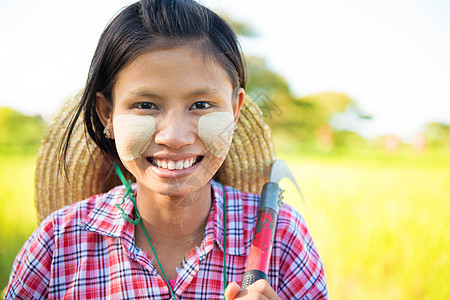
(146, 105)
(200, 105)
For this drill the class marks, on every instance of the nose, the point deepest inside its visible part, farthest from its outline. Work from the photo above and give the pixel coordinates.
(174, 131)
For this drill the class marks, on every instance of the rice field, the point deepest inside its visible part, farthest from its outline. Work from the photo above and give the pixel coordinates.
(383, 230)
(381, 227)
(17, 214)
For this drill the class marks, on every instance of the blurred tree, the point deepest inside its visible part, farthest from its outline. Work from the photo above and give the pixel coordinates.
(303, 120)
(18, 131)
(437, 134)
(242, 29)
(344, 138)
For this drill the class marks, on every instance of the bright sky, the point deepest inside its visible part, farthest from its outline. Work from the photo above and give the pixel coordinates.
(391, 56)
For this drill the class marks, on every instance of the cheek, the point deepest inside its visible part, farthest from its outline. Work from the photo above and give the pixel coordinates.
(133, 134)
(216, 131)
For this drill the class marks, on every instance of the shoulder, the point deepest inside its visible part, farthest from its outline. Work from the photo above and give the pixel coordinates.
(302, 272)
(293, 233)
(296, 264)
(35, 259)
(247, 204)
(238, 202)
(294, 238)
(72, 214)
(291, 221)
(242, 204)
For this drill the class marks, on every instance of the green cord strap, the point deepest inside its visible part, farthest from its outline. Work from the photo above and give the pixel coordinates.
(224, 209)
(157, 260)
(129, 193)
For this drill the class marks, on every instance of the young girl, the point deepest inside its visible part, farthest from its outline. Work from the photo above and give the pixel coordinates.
(162, 99)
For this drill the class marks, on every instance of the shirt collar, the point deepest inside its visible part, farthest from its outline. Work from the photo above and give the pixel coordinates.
(106, 218)
(235, 227)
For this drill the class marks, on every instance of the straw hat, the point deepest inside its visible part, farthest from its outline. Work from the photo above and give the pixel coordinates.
(246, 167)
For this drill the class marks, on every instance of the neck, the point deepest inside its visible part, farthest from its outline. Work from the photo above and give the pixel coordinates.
(174, 219)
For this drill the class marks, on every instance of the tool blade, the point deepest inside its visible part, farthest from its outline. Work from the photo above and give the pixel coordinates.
(281, 170)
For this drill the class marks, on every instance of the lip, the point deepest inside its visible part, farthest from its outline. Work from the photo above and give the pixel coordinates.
(175, 156)
(166, 173)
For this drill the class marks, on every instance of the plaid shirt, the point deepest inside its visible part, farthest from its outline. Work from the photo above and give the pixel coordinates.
(87, 251)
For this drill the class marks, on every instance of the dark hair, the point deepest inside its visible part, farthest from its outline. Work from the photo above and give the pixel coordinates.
(150, 25)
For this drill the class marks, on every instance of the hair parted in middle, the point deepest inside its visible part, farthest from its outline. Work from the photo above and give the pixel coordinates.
(151, 25)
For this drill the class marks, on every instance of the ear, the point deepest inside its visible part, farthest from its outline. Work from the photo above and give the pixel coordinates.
(104, 112)
(237, 103)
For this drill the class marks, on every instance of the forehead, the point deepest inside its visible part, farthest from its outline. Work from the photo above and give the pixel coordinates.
(172, 71)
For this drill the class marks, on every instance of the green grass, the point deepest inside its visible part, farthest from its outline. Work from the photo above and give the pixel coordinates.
(17, 213)
(381, 227)
(381, 222)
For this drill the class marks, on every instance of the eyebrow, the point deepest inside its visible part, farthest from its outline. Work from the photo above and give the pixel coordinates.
(199, 92)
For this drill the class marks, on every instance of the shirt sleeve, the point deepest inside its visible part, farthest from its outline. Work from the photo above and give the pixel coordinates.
(302, 275)
(30, 275)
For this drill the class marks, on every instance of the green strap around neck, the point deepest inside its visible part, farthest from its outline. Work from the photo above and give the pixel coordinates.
(130, 193)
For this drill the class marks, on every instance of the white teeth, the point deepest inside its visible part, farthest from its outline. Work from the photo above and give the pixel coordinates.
(172, 165)
(179, 165)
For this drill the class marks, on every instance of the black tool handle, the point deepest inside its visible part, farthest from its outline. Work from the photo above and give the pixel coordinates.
(261, 246)
(251, 277)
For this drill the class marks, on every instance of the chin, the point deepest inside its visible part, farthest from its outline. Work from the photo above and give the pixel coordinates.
(174, 183)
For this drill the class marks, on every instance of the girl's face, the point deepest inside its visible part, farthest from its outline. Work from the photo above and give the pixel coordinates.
(172, 119)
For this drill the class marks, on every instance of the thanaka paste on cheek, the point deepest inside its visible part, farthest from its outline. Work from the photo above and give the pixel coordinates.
(133, 134)
(216, 131)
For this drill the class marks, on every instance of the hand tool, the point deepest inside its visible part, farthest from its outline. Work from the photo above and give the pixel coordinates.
(269, 207)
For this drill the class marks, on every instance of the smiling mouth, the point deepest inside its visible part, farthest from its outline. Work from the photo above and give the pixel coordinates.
(175, 164)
